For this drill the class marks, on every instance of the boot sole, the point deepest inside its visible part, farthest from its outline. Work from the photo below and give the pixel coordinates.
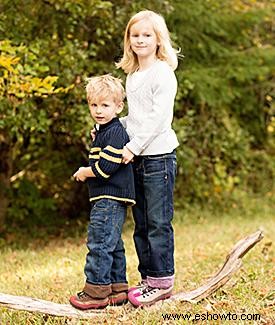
(114, 302)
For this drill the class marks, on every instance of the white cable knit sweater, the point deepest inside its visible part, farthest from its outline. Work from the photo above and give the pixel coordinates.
(150, 95)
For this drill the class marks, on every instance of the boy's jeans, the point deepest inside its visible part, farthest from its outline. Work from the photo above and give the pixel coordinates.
(153, 213)
(105, 261)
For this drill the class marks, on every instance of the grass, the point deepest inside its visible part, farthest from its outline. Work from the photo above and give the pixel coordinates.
(53, 270)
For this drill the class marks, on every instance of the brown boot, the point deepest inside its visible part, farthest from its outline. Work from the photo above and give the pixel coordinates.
(83, 301)
(119, 295)
(92, 297)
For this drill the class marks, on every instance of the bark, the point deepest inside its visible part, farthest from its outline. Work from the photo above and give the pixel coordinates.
(232, 264)
(5, 173)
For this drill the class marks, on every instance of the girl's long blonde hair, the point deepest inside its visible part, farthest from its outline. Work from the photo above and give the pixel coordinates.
(165, 50)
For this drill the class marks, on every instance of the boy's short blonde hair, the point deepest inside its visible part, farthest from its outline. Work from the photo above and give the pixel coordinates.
(103, 87)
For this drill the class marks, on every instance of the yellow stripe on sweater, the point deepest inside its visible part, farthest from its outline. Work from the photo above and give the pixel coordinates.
(95, 149)
(93, 156)
(100, 171)
(114, 150)
(117, 198)
(110, 158)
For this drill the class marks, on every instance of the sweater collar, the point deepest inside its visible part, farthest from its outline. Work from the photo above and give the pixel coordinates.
(102, 127)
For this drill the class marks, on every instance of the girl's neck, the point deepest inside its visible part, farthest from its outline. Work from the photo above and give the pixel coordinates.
(145, 63)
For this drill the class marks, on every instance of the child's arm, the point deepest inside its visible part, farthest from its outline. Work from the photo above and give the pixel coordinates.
(108, 160)
(92, 133)
(83, 173)
(110, 157)
(127, 155)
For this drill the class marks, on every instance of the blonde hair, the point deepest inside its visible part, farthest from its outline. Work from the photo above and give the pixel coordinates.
(165, 50)
(105, 86)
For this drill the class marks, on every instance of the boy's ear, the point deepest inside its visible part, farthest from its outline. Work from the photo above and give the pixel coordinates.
(120, 107)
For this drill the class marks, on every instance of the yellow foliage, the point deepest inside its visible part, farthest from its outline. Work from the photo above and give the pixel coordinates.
(15, 84)
(7, 62)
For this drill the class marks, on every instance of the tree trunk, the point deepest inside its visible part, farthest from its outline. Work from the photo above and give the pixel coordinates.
(5, 174)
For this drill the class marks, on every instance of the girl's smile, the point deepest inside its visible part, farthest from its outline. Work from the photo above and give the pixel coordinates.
(143, 40)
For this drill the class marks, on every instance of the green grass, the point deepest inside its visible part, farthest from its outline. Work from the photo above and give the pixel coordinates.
(53, 270)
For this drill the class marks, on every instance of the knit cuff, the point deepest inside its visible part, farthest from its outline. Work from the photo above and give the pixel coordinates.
(134, 147)
(162, 282)
(98, 172)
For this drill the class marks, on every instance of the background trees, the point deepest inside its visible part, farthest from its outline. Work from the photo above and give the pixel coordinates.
(224, 113)
(22, 121)
(224, 109)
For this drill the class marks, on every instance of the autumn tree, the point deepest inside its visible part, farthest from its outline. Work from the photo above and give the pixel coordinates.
(21, 118)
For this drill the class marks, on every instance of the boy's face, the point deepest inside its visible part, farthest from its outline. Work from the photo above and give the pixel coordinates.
(104, 110)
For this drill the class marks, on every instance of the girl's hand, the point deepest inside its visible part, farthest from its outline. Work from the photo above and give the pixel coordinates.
(80, 174)
(127, 155)
(92, 133)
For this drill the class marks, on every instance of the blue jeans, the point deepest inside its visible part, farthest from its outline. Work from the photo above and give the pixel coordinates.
(105, 261)
(153, 213)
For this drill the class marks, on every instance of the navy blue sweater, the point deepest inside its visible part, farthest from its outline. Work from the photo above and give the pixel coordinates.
(113, 180)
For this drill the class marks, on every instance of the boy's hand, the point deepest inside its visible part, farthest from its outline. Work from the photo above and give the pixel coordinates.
(92, 133)
(127, 155)
(80, 175)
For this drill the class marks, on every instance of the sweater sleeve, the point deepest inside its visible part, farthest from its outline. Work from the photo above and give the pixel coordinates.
(164, 90)
(110, 157)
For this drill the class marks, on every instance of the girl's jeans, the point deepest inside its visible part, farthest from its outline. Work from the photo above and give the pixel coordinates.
(153, 213)
(105, 261)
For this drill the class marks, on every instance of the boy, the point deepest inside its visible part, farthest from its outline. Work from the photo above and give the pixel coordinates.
(111, 189)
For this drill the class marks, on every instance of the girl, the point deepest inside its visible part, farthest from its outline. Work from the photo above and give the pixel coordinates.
(150, 60)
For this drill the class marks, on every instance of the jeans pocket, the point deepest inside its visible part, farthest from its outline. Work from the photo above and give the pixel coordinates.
(154, 166)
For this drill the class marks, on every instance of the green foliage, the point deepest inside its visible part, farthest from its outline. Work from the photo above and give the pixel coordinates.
(30, 207)
(22, 122)
(71, 40)
(224, 103)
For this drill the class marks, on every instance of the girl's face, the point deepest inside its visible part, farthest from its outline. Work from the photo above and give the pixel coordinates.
(143, 40)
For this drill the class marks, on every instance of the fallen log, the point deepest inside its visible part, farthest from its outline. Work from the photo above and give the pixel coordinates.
(231, 265)
(44, 307)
